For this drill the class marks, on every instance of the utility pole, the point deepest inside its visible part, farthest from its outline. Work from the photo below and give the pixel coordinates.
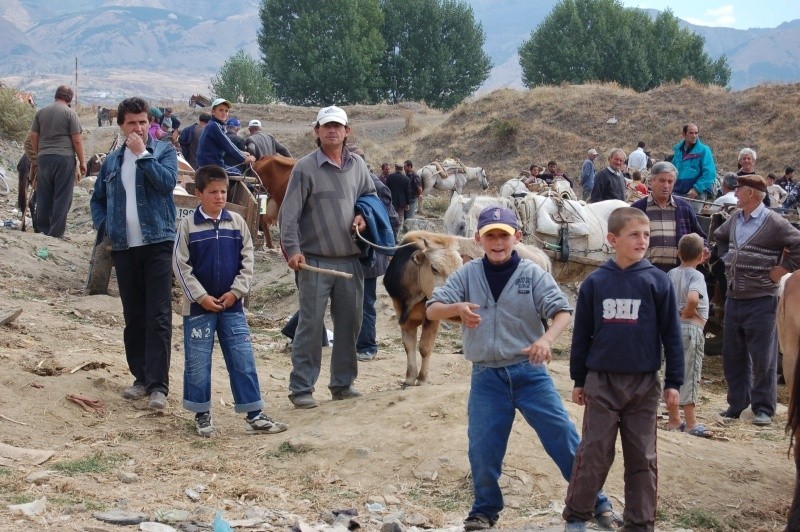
(76, 81)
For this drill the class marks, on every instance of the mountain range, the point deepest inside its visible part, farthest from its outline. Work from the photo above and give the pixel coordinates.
(169, 49)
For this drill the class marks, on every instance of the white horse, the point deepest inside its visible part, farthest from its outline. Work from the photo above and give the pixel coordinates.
(457, 177)
(461, 216)
(559, 188)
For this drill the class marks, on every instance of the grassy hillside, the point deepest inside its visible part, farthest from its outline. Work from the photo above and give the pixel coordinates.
(508, 130)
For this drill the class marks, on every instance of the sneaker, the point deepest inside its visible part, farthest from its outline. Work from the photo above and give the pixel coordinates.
(365, 357)
(158, 401)
(762, 419)
(262, 424)
(478, 522)
(575, 526)
(329, 335)
(202, 422)
(345, 393)
(729, 414)
(305, 400)
(136, 391)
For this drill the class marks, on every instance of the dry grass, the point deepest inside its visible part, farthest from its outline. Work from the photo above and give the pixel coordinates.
(562, 122)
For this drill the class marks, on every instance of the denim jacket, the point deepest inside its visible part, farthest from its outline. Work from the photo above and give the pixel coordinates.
(156, 176)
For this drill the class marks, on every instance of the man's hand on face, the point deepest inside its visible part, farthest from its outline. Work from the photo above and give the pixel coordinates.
(135, 143)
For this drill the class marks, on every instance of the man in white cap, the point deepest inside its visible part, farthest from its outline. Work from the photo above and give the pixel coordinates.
(260, 144)
(317, 220)
(215, 145)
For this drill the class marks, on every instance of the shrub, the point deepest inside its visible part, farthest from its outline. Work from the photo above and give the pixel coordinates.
(15, 116)
(505, 131)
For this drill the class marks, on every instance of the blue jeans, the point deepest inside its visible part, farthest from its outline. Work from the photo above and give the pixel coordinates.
(234, 339)
(366, 342)
(495, 395)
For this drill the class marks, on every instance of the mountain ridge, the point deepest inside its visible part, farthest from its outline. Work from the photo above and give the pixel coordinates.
(178, 45)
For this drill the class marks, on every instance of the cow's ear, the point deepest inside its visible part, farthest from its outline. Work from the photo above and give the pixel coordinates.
(418, 257)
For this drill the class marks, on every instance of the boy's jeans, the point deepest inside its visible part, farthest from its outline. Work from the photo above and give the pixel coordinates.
(234, 338)
(495, 395)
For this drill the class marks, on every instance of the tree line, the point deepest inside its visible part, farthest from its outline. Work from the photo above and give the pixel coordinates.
(368, 51)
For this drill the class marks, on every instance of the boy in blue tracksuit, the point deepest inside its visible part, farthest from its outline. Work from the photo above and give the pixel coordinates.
(626, 312)
(500, 300)
(213, 261)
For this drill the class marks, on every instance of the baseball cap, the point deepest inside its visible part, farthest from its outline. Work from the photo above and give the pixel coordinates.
(593, 152)
(254, 123)
(756, 182)
(219, 101)
(398, 165)
(331, 114)
(501, 218)
(233, 122)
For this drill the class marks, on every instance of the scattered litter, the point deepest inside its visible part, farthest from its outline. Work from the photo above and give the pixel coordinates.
(121, 517)
(89, 404)
(19, 457)
(221, 525)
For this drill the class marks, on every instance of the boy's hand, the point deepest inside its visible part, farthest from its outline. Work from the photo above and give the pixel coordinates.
(227, 300)
(539, 351)
(469, 318)
(211, 304)
(671, 397)
(578, 397)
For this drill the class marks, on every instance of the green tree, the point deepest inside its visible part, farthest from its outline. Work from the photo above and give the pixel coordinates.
(600, 40)
(242, 79)
(434, 51)
(321, 53)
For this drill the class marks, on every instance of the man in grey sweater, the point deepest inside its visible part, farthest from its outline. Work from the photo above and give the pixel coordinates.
(758, 247)
(317, 221)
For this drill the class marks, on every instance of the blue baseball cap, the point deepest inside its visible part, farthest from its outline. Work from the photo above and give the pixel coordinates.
(501, 218)
(233, 122)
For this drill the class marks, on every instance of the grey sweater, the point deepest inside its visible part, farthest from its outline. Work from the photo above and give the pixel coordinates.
(317, 213)
(510, 324)
(747, 268)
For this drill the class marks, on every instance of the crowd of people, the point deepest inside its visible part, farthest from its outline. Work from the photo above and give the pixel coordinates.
(649, 301)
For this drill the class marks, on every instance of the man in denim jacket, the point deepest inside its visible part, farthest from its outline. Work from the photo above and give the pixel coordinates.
(132, 203)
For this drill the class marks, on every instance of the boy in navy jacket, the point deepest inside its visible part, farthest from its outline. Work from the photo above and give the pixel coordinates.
(213, 261)
(626, 312)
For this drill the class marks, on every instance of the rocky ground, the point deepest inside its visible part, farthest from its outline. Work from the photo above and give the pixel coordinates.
(395, 455)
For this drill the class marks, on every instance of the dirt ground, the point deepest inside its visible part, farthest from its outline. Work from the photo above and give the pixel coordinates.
(398, 452)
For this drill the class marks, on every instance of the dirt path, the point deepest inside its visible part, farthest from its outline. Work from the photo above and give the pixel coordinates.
(404, 449)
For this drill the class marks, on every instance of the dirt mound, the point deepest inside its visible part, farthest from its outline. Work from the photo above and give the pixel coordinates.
(404, 449)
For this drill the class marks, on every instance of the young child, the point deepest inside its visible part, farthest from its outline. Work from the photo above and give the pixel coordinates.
(213, 261)
(508, 359)
(626, 311)
(692, 295)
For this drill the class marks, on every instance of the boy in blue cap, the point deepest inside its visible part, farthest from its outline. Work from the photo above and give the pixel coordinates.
(500, 300)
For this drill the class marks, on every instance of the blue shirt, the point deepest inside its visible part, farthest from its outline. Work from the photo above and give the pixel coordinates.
(746, 228)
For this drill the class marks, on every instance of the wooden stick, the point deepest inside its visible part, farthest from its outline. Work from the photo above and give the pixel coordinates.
(13, 420)
(335, 273)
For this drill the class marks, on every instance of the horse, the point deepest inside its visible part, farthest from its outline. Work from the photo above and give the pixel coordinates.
(451, 177)
(198, 100)
(273, 171)
(26, 97)
(558, 188)
(109, 115)
(461, 216)
(788, 322)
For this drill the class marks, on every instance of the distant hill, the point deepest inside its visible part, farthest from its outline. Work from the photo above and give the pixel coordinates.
(169, 49)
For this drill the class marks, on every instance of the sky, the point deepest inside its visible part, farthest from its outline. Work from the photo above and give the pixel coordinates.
(740, 14)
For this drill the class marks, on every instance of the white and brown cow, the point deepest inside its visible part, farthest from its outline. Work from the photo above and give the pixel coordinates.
(788, 322)
(413, 273)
